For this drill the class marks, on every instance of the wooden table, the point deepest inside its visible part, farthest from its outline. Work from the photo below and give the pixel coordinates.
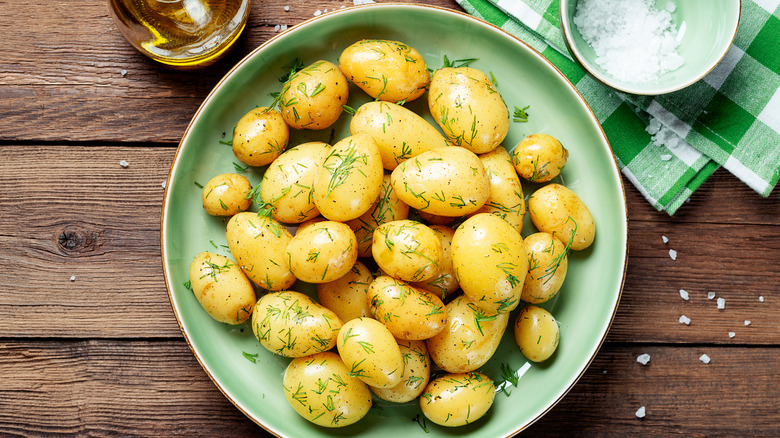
(89, 344)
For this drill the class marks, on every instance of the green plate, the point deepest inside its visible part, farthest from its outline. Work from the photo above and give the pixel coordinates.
(585, 306)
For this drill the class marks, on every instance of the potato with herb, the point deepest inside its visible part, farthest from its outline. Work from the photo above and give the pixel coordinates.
(370, 353)
(506, 193)
(407, 250)
(322, 252)
(468, 108)
(288, 183)
(321, 390)
(386, 70)
(260, 136)
(449, 181)
(258, 243)
(539, 157)
(349, 179)
(490, 262)
(399, 133)
(557, 210)
(536, 333)
(547, 265)
(409, 313)
(444, 282)
(221, 288)
(469, 339)
(291, 324)
(347, 296)
(457, 399)
(226, 195)
(312, 98)
(387, 208)
(417, 373)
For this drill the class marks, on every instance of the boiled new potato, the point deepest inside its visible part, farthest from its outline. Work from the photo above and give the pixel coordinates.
(457, 399)
(386, 70)
(539, 157)
(349, 179)
(370, 353)
(444, 282)
(468, 108)
(547, 265)
(490, 262)
(321, 390)
(407, 250)
(417, 372)
(387, 208)
(399, 133)
(536, 333)
(449, 181)
(557, 210)
(469, 339)
(221, 288)
(258, 243)
(288, 184)
(226, 195)
(506, 194)
(260, 136)
(322, 252)
(348, 296)
(409, 313)
(312, 98)
(290, 324)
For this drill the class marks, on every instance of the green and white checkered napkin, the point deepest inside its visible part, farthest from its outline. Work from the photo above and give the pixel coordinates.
(730, 118)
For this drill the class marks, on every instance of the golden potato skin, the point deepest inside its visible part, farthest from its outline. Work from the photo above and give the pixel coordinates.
(290, 324)
(409, 313)
(506, 193)
(370, 352)
(557, 210)
(288, 183)
(221, 288)
(312, 98)
(457, 399)
(347, 296)
(536, 333)
(539, 157)
(449, 181)
(468, 108)
(444, 282)
(386, 70)
(407, 250)
(258, 243)
(399, 133)
(387, 208)
(260, 136)
(322, 252)
(417, 373)
(321, 390)
(469, 339)
(490, 262)
(226, 195)
(349, 180)
(547, 265)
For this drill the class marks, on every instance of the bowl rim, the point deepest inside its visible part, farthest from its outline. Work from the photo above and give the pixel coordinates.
(301, 27)
(567, 28)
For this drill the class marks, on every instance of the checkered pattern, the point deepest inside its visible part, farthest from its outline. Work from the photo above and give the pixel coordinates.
(730, 118)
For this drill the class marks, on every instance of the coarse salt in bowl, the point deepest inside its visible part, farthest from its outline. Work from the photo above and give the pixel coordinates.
(649, 47)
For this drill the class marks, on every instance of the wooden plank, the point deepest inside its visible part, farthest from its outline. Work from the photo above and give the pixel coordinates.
(158, 389)
(74, 211)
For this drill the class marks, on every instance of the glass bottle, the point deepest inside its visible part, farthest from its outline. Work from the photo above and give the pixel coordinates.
(181, 33)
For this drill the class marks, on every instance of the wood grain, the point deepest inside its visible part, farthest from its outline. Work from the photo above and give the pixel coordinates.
(92, 387)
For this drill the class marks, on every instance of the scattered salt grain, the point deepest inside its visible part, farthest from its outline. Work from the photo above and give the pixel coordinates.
(654, 126)
(747, 322)
(72, 278)
(361, 2)
(732, 334)
(123, 72)
(684, 294)
(671, 7)
(665, 239)
(666, 157)
(673, 254)
(604, 372)
(124, 163)
(643, 358)
(761, 299)
(317, 13)
(287, 8)
(640, 413)
(710, 295)
(704, 358)
(163, 184)
(276, 28)
(685, 320)
(283, 27)
(721, 303)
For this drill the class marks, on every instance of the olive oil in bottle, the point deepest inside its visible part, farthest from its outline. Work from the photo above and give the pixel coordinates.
(181, 33)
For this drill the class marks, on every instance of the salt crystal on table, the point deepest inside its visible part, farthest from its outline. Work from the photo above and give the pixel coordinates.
(123, 72)
(283, 27)
(287, 9)
(72, 278)
(653, 127)
(643, 358)
(671, 7)
(673, 254)
(666, 157)
(732, 334)
(685, 320)
(747, 322)
(704, 358)
(761, 299)
(317, 13)
(710, 295)
(361, 2)
(640, 413)
(721, 303)
(684, 294)
(163, 184)
(124, 163)
(665, 239)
